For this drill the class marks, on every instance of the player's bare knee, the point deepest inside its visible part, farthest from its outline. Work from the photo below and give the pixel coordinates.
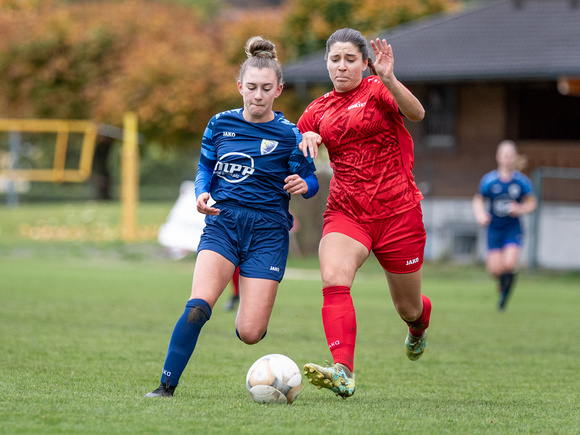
(510, 267)
(251, 337)
(408, 312)
(336, 277)
(495, 270)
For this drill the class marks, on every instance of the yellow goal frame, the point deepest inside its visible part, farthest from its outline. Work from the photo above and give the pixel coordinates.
(59, 173)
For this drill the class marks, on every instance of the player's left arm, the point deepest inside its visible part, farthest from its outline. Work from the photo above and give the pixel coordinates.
(528, 205)
(307, 186)
(302, 179)
(409, 105)
(528, 202)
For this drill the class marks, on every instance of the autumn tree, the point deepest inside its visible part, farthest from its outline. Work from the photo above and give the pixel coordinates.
(98, 60)
(309, 23)
(173, 62)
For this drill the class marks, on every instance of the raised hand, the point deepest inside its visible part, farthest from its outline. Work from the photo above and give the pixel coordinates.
(384, 58)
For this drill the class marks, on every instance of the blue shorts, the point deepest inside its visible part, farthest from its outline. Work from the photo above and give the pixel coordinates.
(499, 238)
(257, 245)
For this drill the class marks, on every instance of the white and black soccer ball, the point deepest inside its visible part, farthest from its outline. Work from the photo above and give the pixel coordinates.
(274, 378)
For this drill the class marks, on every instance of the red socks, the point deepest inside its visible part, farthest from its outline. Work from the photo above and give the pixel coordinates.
(339, 320)
(236, 282)
(418, 326)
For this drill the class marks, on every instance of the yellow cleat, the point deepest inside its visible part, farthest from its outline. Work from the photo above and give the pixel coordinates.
(338, 378)
(415, 346)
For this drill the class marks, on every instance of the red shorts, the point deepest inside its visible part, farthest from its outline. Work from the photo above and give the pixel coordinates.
(398, 242)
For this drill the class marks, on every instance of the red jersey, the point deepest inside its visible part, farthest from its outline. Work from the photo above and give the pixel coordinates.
(370, 150)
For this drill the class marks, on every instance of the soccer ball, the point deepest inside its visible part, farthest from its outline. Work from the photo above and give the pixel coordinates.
(274, 378)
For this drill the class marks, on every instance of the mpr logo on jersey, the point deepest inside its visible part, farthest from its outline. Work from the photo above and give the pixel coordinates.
(234, 167)
(501, 205)
(267, 146)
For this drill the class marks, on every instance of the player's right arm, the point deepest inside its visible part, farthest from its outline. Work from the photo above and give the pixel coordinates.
(308, 126)
(203, 178)
(482, 217)
(528, 205)
(310, 143)
(202, 206)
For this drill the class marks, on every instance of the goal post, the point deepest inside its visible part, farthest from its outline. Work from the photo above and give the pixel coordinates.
(59, 173)
(129, 178)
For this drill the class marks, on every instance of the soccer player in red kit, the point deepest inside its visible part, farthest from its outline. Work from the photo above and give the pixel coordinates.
(373, 204)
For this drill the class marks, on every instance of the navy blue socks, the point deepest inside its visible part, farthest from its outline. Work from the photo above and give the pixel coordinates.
(184, 339)
(506, 281)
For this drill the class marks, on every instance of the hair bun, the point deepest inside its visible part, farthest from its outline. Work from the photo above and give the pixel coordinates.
(260, 47)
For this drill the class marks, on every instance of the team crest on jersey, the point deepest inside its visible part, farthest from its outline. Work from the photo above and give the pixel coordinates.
(268, 146)
(514, 190)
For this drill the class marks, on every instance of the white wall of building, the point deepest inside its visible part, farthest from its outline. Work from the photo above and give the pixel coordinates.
(453, 234)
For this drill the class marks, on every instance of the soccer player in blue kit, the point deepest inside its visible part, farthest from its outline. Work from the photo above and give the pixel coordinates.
(510, 195)
(250, 164)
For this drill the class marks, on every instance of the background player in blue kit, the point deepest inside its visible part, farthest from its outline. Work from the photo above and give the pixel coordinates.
(510, 195)
(250, 164)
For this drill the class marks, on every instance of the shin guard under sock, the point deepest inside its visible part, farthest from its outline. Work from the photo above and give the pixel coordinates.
(184, 339)
(417, 327)
(339, 319)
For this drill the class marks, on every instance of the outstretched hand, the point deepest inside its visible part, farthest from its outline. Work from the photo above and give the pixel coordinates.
(202, 206)
(384, 58)
(310, 143)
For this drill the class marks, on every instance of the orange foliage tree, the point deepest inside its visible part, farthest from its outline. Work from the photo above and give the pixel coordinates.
(174, 66)
(309, 23)
(97, 60)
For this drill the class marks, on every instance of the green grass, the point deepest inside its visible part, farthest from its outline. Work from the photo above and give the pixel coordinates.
(84, 329)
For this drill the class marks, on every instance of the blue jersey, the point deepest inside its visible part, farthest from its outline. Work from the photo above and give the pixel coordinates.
(248, 162)
(501, 194)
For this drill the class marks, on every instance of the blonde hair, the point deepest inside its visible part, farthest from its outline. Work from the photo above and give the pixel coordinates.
(261, 54)
(521, 160)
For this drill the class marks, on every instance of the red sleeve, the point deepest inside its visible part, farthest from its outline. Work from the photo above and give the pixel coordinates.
(387, 101)
(310, 119)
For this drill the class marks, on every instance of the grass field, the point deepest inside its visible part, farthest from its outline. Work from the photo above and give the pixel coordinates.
(85, 327)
